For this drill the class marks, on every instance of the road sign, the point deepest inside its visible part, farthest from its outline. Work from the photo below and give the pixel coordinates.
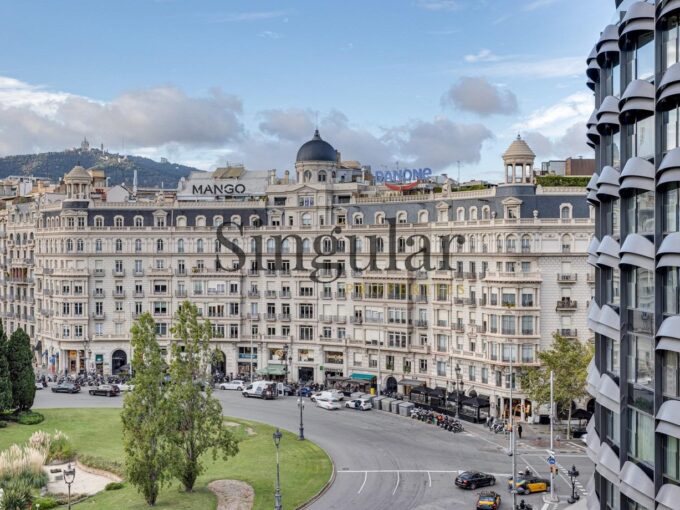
(551, 460)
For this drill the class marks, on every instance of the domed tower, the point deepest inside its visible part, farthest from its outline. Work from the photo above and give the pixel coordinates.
(316, 160)
(78, 182)
(519, 163)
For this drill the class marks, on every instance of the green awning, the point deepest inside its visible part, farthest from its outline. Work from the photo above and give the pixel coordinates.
(363, 377)
(271, 370)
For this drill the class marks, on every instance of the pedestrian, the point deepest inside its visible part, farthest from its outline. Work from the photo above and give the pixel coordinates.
(519, 430)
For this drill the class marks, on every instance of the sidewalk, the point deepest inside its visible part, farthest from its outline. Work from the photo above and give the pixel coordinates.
(534, 436)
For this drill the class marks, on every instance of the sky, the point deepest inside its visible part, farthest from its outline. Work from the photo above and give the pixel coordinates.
(408, 83)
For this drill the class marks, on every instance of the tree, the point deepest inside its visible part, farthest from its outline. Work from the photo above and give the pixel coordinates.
(568, 360)
(197, 416)
(145, 414)
(5, 380)
(20, 360)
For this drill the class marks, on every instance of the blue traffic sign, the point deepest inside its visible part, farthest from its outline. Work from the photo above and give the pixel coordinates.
(551, 460)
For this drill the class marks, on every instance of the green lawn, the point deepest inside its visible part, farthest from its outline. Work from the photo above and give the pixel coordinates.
(305, 467)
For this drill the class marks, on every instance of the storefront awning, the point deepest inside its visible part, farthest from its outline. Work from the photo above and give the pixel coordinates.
(363, 377)
(411, 382)
(272, 370)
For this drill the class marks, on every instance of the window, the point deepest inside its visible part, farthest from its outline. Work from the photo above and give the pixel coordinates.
(199, 246)
(138, 245)
(639, 210)
(671, 458)
(641, 434)
(422, 366)
(119, 245)
(98, 245)
(98, 221)
(159, 245)
(639, 136)
(306, 332)
(138, 221)
(118, 221)
(306, 220)
(180, 245)
(441, 368)
(669, 38)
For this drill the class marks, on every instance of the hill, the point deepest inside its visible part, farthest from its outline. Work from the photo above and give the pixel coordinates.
(119, 168)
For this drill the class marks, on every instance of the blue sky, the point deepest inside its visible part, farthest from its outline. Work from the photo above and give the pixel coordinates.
(421, 82)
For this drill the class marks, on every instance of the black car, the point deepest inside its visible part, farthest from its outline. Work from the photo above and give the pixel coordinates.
(66, 387)
(106, 390)
(473, 479)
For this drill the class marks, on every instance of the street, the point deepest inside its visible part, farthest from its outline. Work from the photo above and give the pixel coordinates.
(388, 462)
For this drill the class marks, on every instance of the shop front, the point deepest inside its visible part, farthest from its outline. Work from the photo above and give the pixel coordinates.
(99, 364)
(246, 360)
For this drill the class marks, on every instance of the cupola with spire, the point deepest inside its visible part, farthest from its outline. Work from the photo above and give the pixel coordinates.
(314, 160)
(519, 162)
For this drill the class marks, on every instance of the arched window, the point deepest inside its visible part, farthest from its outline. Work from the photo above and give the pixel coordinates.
(217, 221)
(401, 245)
(218, 246)
(118, 221)
(422, 217)
(307, 176)
(255, 221)
(306, 220)
(473, 213)
(159, 245)
(460, 214)
(358, 245)
(235, 219)
(526, 244)
(306, 246)
(98, 245)
(253, 245)
(180, 245)
(401, 217)
(358, 219)
(486, 212)
(200, 221)
(322, 176)
(98, 221)
(181, 221)
(139, 221)
(499, 244)
(472, 244)
(69, 245)
(199, 246)
(80, 245)
(511, 244)
(119, 245)
(380, 218)
(271, 246)
(138, 245)
(565, 212)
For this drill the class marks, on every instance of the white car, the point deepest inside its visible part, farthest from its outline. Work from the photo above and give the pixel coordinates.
(362, 404)
(125, 387)
(328, 403)
(326, 394)
(236, 384)
(38, 385)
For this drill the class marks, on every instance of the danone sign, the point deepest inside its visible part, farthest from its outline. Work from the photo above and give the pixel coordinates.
(402, 176)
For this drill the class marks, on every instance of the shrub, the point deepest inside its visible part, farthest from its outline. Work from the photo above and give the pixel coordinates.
(114, 486)
(61, 448)
(40, 440)
(45, 502)
(30, 418)
(112, 466)
(3, 424)
(17, 495)
(22, 463)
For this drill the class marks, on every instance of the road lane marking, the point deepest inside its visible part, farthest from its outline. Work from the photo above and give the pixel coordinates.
(429, 479)
(362, 485)
(456, 471)
(397, 484)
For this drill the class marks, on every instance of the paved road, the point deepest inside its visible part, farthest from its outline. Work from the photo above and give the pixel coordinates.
(384, 461)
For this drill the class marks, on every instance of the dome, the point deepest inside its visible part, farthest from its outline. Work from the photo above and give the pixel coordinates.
(519, 149)
(316, 150)
(78, 172)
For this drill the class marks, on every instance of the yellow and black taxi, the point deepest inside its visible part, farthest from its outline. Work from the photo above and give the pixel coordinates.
(488, 500)
(530, 484)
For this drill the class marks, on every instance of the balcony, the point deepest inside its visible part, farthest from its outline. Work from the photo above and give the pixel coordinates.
(421, 324)
(181, 293)
(119, 272)
(119, 293)
(419, 298)
(138, 294)
(180, 271)
(568, 332)
(442, 297)
(253, 294)
(340, 295)
(253, 272)
(253, 316)
(356, 295)
(99, 272)
(327, 295)
(284, 317)
(284, 294)
(356, 320)
(340, 319)
(98, 315)
(270, 293)
(326, 318)
(567, 277)
(566, 305)
(270, 316)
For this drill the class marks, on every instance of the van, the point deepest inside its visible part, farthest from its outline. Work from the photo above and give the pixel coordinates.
(260, 389)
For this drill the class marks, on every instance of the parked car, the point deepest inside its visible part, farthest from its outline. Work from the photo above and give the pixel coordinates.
(473, 479)
(336, 394)
(125, 386)
(38, 385)
(106, 390)
(260, 389)
(236, 384)
(66, 387)
(530, 484)
(305, 391)
(331, 404)
(488, 501)
(362, 404)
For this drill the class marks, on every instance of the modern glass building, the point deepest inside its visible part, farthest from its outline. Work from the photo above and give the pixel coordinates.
(634, 71)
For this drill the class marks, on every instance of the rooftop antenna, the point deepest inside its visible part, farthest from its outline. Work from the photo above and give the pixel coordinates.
(316, 121)
(458, 162)
(134, 183)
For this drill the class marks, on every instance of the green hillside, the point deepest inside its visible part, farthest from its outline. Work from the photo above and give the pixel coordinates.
(118, 168)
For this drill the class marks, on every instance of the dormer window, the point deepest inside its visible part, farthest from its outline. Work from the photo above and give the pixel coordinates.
(512, 212)
(322, 176)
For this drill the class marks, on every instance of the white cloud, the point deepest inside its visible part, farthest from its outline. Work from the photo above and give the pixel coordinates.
(555, 119)
(268, 34)
(293, 124)
(537, 4)
(478, 95)
(571, 143)
(439, 5)
(531, 67)
(482, 55)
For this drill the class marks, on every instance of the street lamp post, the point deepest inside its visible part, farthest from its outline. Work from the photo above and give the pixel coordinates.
(277, 495)
(69, 477)
(573, 473)
(301, 405)
(459, 387)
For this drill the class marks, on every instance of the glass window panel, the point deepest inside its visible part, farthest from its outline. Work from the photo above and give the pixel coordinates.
(645, 137)
(644, 58)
